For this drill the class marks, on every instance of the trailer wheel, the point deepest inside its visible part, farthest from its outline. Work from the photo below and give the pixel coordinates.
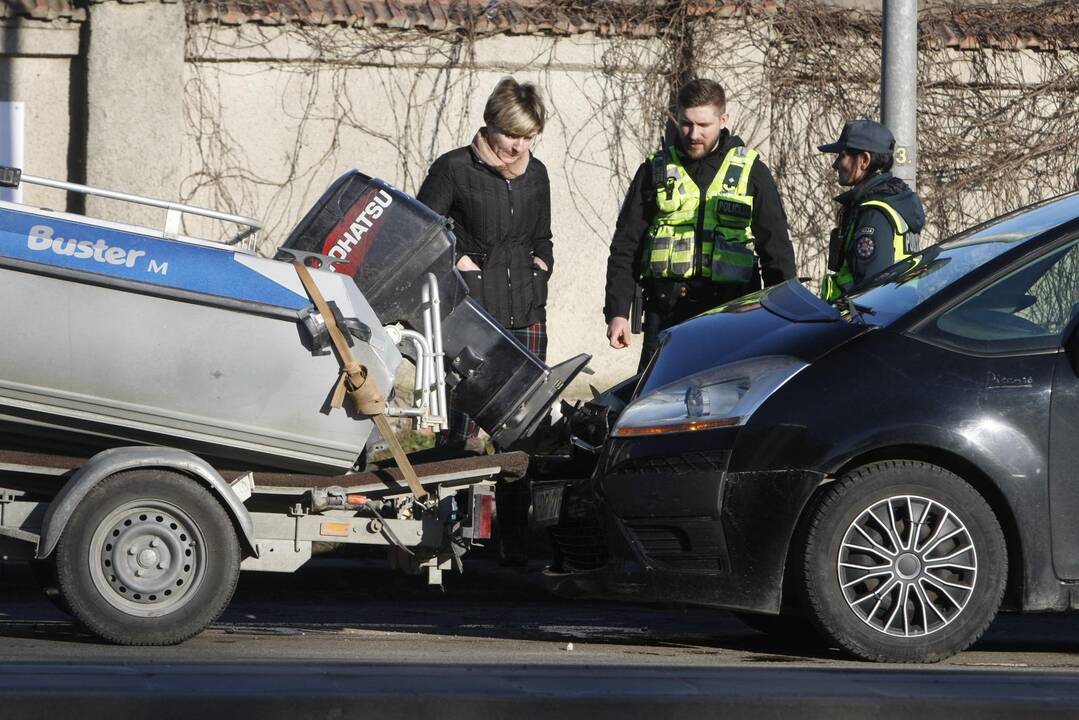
(148, 558)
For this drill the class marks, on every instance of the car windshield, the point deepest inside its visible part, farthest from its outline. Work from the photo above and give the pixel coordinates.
(921, 276)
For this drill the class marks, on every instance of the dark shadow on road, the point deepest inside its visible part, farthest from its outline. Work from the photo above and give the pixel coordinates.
(334, 596)
(490, 601)
(59, 631)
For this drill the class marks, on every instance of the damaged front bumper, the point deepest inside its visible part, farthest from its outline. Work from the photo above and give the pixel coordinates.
(729, 553)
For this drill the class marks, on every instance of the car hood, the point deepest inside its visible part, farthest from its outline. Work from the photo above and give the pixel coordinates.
(786, 319)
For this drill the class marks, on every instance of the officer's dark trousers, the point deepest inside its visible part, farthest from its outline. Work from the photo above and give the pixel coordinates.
(661, 313)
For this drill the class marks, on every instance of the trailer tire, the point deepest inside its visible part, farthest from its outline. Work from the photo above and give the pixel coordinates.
(149, 557)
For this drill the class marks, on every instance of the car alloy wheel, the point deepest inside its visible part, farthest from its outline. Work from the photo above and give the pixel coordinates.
(902, 561)
(907, 566)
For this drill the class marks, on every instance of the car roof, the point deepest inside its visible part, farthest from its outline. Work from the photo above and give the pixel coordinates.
(1032, 223)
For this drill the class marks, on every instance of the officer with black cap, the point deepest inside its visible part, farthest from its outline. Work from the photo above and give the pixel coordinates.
(879, 217)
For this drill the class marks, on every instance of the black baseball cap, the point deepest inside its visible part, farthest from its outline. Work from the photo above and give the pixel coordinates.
(862, 135)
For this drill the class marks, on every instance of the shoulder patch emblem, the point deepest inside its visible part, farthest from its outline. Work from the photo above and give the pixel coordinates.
(864, 246)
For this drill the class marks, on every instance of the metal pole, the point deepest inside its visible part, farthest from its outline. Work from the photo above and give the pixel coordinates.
(12, 136)
(899, 84)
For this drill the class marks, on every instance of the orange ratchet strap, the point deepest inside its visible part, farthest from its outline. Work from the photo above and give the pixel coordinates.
(352, 382)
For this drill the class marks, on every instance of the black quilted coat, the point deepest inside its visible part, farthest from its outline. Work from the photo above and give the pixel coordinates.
(501, 224)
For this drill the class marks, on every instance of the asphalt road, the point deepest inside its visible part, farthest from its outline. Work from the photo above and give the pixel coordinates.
(494, 640)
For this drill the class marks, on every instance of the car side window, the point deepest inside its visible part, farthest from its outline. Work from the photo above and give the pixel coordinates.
(1027, 310)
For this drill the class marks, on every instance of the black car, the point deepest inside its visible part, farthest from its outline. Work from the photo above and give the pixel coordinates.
(891, 469)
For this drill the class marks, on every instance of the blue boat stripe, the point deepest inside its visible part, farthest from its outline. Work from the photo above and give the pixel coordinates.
(161, 291)
(141, 259)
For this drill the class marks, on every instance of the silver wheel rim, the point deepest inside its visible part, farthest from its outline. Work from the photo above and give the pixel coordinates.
(907, 566)
(147, 558)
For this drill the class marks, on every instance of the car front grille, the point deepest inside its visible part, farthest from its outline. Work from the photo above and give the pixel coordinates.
(581, 544)
(660, 540)
(686, 544)
(680, 464)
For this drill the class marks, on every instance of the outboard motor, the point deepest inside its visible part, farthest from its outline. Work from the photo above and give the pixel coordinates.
(388, 242)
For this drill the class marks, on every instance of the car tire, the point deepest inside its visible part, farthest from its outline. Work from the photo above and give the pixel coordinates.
(149, 557)
(792, 628)
(903, 562)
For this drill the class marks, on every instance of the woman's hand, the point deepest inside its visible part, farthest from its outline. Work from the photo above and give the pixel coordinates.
(538, 262)
(467, 264)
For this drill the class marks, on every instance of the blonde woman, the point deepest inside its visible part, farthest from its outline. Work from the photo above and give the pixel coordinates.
(499, 198)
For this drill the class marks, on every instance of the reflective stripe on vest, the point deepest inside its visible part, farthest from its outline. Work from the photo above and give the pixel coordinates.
(833, 285)
(724, 241)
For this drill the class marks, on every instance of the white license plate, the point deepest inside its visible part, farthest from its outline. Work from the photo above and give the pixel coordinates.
(546, 504)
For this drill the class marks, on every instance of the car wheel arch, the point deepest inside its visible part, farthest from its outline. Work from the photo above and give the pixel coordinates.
(967, 471)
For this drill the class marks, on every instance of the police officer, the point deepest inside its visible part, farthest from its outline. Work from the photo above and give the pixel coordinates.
(879, 217)
(701, 224)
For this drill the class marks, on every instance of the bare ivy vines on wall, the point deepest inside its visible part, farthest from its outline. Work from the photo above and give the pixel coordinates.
(998, 124)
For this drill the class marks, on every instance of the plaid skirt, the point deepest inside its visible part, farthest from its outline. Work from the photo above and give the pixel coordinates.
(533, 337)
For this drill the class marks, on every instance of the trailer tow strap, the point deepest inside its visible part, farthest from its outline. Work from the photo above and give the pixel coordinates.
(352, 382)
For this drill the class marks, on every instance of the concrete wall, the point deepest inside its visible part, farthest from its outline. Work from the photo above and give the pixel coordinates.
(104, 102)
(268, 108)
(134, 104)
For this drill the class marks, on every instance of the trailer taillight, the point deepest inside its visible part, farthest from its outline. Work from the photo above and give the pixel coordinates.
(485, 513)
(482, 515)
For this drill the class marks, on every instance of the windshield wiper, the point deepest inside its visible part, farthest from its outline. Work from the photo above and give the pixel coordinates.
(853, 309)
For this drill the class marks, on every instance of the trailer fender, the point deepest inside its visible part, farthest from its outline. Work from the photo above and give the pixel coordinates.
(110, 462)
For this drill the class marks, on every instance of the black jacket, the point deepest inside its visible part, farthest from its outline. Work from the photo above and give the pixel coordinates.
(501, 224)
(771, 241)
(870, 249)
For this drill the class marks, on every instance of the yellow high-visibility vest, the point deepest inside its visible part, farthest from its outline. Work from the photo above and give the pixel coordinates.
(724, 240)
(834, 284)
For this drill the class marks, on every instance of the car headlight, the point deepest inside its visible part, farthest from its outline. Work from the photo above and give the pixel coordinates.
(718, 397)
